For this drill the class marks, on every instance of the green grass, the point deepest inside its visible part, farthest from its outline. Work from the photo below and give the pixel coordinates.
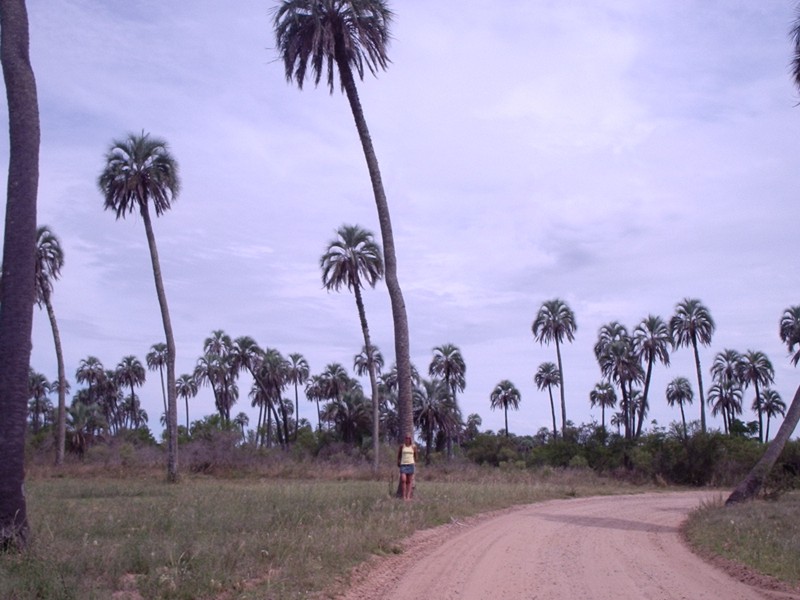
(763, 535)
(247, 537)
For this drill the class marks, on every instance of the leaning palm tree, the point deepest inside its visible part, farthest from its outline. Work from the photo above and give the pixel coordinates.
(327, 36)
(49, 261)
(555, 322)
(140, 171)
(156, 361)
(651, 341)
(351, 260)
(548, 376)
(755, 368)
(679, 391)
(448, 364)
(505, 394)
(692, 325)
(790, 335)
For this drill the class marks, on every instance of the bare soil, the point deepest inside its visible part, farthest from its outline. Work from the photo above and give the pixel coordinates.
(601, 548)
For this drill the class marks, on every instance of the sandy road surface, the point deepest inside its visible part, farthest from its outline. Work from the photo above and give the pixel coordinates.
(602, 548)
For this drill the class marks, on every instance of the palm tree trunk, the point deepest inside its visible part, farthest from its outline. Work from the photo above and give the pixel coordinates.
(683, 420)
(163, 391)
(399, 316)
(296, 412)
(699, 385)
(19, 264)
(373, 380)
(751, 485)
(643, 407)
(561, 389)
(553, 411)
(760, 414)
(61, 419)
(186, 399)
(505, 412)
(172, 404)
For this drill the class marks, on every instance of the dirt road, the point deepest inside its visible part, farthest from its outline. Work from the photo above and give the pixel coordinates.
(602, 548)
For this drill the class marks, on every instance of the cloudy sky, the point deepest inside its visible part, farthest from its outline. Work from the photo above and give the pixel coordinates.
(619, 154)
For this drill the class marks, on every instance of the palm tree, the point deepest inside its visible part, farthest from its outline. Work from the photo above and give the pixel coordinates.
(555, 322)
(725, 397)
(620, 365)
(19, 261)
(315, 393)
(433, 411)
(298, 375)
(548, 376)
(449, 365)
(130, 372)
(156, 360)
(772, 406)
(604, 396)
(790, 321)
(91, 372)
(692, 325)
(49, 261)
(273, 374)
(506, 394)
(756, 369)
(186, 388)
(241, 420)
(679, 391)
(651, 341)
(349, 35)
(351, 260)
(140, 170)
(39, 388)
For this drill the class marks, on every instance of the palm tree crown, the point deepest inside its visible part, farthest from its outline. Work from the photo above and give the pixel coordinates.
(506, 395)
(322, 33)
(351, 259)
(139, 170)
(49, 262)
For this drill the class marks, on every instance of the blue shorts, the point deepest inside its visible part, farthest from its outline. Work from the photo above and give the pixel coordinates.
(406, 469)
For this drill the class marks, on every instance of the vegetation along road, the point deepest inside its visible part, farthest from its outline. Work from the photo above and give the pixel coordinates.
(603, 548)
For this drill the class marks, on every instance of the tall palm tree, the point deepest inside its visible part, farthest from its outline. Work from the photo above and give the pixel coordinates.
(679, 391)
(756, 369)
(274, 376)
(220, 351)
(725, 371)
(140, 170)
(130, 372)
(156, 361)
(790, 322)
(772, 406)
(448, 364)
(651, 341)
(345, 36)
(507, 395)
(555, 322)
(353, 259)
(49, 262)
(17, 294)
(692, 325)
(186, 388)
(315, 392)
(298, 375)
(604, 396)
(620, 365)
(548, 376)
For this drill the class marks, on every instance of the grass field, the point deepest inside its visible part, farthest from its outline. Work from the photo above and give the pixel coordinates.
(763, 535)
(298, 535)
(241, 538)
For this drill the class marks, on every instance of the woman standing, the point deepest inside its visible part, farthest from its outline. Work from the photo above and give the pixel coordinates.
(406, 459)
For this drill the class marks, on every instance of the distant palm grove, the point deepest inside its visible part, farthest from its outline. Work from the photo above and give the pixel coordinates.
(106, 409)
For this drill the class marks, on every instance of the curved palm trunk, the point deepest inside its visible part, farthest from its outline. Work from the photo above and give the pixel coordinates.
(399, 316)
(172, 404)
(61, 419)
(561, 389)
(19, 263)
(553, 411)
(699, 384)
(373, 381)
(751, 485)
